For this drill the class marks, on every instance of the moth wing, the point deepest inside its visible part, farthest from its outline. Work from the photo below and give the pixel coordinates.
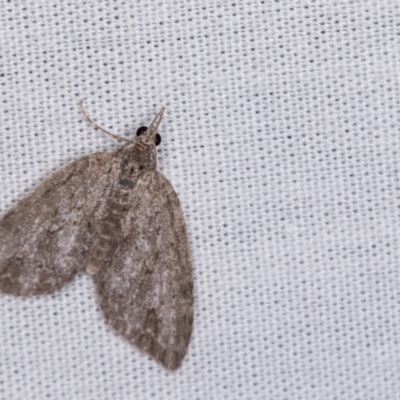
(146, 293)
(43, 239)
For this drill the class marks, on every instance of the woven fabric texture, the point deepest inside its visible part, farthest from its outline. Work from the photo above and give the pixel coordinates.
(282, 139)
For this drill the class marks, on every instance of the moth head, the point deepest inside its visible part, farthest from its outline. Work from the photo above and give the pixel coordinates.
(141, 152)
(148, 135)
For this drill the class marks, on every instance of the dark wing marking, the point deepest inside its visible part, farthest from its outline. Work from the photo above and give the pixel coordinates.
(43, 242)
(146, 293)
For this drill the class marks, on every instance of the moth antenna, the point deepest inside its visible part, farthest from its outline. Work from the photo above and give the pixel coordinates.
(157, 119)
(116, 137)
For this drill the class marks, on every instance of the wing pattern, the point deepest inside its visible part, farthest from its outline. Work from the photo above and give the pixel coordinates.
(43, 240)
(146, 293)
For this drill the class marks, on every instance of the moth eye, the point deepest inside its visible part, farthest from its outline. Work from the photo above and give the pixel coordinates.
(142, 130)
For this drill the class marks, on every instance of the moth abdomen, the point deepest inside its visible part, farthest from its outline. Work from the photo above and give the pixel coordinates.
(99, 255)
(101, 252)
(106, 243)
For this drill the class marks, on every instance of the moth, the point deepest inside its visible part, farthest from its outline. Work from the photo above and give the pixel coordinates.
(114, 216)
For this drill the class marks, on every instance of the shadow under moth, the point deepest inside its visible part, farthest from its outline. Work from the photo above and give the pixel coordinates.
(116, 217)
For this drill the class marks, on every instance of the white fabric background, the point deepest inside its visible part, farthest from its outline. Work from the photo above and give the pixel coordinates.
(282, 140)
